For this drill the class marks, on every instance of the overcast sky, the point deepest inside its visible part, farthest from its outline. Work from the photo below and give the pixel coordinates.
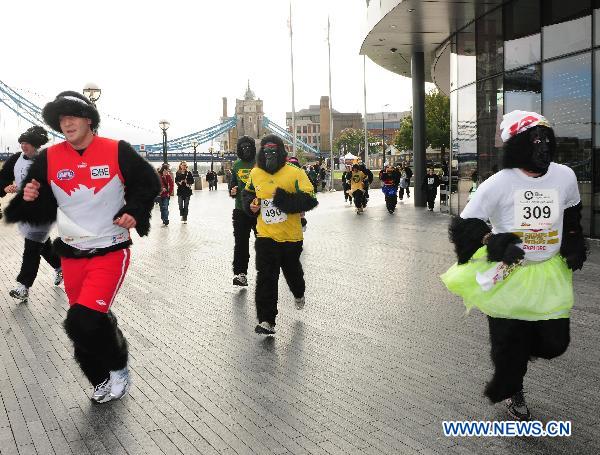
(176, 59)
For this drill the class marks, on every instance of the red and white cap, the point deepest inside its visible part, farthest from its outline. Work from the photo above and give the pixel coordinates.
(516, 122)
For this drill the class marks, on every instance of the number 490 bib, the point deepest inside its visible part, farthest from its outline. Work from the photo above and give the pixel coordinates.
(271, 214)
(535, 209)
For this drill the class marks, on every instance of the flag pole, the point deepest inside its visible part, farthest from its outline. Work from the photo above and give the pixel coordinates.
(293, 103)
(330, 110)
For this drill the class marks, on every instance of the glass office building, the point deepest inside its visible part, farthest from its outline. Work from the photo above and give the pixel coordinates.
(534, 55)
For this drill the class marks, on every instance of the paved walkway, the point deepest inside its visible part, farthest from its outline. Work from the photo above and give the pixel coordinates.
(379, 357)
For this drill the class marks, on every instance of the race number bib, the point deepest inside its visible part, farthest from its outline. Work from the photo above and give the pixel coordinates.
(535, 209)
(271, 214)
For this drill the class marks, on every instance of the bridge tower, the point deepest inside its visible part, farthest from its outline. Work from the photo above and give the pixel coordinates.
(249, 112)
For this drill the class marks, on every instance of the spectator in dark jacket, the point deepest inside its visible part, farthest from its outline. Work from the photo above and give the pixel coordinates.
(430, 186)
(184, 181)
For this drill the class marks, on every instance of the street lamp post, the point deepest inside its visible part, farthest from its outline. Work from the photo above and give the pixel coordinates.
(92, 92)
(164, 126)
(210, 149)
(195, 144)
(383, 135)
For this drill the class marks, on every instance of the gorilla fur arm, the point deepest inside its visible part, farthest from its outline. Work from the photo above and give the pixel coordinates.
(294, 202)
(573, 247)
(247, 198)
(43, 209)
(502, 248)
(466, 234)
(141, 187)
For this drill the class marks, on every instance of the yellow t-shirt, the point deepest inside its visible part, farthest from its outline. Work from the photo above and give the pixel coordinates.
(272, 223)
(356, 181)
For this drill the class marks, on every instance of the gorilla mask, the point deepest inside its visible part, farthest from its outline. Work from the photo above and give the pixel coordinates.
(532, 150)
(272, 155)
(529, 141)
(246, 148)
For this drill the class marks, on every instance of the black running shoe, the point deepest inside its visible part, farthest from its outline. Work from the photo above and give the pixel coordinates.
(265, 328)
(240, 280)
(517, 407)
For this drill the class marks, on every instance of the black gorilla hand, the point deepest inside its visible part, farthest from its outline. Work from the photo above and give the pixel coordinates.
(503, 248)
(574, 249)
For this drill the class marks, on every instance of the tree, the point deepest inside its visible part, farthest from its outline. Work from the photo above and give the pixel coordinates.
(437, 124)
(351, 140)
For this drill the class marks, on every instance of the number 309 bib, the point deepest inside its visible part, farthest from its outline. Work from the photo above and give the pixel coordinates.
(535, 209)
(271, 214)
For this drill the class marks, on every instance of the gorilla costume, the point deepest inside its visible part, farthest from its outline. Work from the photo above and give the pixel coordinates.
(242, 223)
(519, 271)
(282, 192)
(87, 192)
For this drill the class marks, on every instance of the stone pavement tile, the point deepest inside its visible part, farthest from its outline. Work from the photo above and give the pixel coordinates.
(7, 441)
(40, 438)
(59, 442)
(19, 428)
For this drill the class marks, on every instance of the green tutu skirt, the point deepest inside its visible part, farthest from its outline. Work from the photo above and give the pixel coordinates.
(532, 292)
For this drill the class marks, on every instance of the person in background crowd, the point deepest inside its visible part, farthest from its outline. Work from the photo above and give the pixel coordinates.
(346, 179)
(184, 181)
(166, 191)
(358, 182)
(313, 177)
(408, 173)
(390, 179)
(243, 223)
(37, 238)
(323, 178)
(430, 186)
(367, 182)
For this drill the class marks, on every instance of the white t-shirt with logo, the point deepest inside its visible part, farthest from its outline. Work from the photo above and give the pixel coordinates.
(530, 207)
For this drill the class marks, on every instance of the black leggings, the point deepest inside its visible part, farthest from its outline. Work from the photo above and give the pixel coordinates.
(514, 343)
(270, 257)
(242, 225)
(32, 253)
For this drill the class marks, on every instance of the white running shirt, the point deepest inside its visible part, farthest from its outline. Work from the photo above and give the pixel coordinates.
(530, 207)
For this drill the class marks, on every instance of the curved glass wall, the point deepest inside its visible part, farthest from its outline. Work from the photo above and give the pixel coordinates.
(523, 56)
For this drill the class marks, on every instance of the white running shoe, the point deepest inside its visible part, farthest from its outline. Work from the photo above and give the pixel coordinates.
(101, 392)
(21, 292)
(58, 277)
(120, 383)
(300, 302)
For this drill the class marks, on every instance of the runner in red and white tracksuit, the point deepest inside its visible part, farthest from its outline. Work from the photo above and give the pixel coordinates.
(96, 189)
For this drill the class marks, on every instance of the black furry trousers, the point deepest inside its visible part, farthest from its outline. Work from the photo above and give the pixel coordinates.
(514, 343)
(270, 257)
(32, 253)
(98, 342)
(242, 225)
(390, 202)
(359, 199)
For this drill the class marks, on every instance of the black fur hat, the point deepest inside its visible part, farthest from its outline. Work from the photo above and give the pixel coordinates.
(70, 103)
(245, 140)
(281, 151)
(36, 136)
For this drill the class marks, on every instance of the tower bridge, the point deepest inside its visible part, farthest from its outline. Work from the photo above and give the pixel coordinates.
(249, 119)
